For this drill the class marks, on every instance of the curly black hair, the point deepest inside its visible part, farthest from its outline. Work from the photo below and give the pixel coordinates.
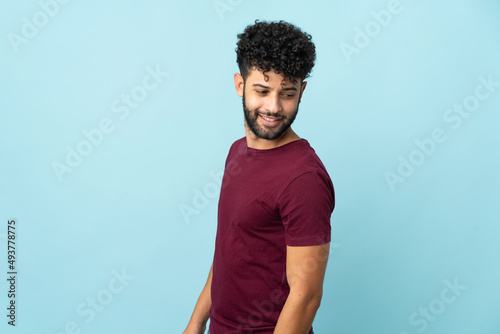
(280, 46)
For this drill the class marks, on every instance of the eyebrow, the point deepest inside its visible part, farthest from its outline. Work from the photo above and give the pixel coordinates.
(267, 87)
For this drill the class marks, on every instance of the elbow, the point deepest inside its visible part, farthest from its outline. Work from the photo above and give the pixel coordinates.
(310, 298)
(313, 303)
(316, 301)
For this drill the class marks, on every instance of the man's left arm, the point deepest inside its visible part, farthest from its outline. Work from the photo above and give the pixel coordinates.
(305, 272)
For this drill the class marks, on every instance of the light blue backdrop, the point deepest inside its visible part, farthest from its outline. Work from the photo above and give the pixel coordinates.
(116, 118)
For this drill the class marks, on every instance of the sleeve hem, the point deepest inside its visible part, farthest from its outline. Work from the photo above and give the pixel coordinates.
(309, 241)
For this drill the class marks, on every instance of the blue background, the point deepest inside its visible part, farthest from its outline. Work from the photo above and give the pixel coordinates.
(395, 245)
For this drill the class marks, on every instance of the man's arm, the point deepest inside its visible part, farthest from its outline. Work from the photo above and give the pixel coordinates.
(305, 272)
(198, 322)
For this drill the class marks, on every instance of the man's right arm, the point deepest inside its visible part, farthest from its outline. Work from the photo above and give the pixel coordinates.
(198, 322)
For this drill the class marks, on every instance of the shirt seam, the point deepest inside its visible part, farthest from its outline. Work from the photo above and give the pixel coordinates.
(291, 181)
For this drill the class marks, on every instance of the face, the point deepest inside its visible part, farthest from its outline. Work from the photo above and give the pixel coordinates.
(270, 106)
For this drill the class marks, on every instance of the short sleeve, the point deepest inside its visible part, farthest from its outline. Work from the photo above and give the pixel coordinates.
(306, 206)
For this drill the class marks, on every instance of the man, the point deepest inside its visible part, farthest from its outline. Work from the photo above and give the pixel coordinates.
(273, 230)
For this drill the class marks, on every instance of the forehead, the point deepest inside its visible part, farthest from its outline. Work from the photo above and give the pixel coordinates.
(271, 78)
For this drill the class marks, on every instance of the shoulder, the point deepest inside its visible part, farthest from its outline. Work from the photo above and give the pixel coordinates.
(306, 160)
(307, 176)
(238, 145)
(311, 182)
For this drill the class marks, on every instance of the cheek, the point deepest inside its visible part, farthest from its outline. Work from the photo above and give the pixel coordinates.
(253, 103)
(291, 106)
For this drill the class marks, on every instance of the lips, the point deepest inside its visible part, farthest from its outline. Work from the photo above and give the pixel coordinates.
(269, 120)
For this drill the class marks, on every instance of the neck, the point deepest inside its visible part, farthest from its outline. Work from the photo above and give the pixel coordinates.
(264, 144)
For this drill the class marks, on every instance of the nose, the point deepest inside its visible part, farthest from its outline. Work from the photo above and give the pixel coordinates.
(272, 104)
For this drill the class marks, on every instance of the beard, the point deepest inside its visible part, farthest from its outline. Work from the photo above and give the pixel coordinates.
(263, 131)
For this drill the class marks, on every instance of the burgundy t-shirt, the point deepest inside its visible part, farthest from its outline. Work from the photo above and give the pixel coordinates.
(269, 199)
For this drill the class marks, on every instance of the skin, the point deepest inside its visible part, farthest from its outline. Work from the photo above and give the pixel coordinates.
(276, 98)
(198, 322)
(305, 272)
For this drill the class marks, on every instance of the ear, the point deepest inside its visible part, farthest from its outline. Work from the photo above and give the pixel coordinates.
(302, 88)
(239, 84)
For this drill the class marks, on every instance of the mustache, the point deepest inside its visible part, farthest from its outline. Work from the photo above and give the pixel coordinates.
(277, 115)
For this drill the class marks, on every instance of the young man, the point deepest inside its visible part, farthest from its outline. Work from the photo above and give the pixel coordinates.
(273, 230)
